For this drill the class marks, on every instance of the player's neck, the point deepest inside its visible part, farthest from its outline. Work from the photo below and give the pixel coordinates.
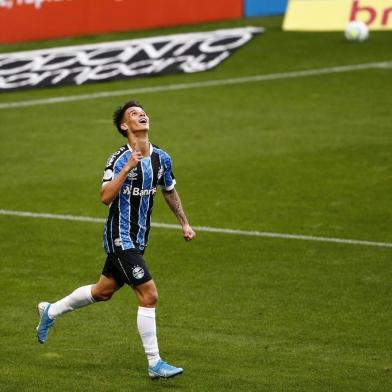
(140, 142)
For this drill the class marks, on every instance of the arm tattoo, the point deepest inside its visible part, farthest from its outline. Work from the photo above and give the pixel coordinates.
(173, 201)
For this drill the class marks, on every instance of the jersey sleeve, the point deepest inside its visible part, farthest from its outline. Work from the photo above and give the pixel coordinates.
(108, 173)
(167, 181)
(112, 168)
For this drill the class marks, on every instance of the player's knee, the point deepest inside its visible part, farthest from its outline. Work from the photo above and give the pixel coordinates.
(150, 299)
(154, 298)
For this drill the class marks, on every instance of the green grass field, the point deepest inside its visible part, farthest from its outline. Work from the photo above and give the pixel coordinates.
(310, 155)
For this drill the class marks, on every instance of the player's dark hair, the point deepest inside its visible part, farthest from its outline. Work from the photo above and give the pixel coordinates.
(119, 114)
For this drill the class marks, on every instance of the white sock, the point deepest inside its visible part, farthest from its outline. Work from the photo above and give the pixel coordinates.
(77, 299)
(148, 332)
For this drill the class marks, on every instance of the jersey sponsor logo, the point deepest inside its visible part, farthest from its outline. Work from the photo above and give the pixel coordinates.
(160, 173)
(132, 175)
(135, 191)
(143, 192)
(138, 272)
(114, 156)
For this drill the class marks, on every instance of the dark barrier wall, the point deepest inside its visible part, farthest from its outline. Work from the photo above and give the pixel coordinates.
(25, 20)
(264, 7)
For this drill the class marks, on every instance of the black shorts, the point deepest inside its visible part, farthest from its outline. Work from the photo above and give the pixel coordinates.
(128, 267)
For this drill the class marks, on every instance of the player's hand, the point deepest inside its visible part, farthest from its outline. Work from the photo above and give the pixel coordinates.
(188, 232)
(135, 158)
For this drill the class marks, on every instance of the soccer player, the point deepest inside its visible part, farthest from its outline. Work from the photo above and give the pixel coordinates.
(131, 177)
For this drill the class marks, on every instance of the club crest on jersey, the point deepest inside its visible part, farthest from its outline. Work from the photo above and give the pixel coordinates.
(138, 272)
(118, 242)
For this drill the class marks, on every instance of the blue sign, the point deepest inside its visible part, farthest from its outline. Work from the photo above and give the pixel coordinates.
(264, 7)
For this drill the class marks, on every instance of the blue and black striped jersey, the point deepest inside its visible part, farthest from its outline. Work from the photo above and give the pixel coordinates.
(128, 223)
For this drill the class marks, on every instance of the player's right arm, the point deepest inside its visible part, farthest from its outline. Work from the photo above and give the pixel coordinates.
(111, 189)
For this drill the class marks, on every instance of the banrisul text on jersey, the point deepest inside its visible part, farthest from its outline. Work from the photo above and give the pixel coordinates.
(128, 223)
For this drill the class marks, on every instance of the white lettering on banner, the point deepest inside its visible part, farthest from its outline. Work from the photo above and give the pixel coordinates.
(193, 52)
(37, 4)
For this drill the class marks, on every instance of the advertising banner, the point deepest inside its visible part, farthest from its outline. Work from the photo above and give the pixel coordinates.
(76, 65)
(26, 20)
(334, 15)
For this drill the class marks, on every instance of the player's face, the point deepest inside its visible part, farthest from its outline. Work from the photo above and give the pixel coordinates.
(136, 120)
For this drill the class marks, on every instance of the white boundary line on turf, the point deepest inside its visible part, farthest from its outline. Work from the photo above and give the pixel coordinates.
(194, 85)
(204, 228)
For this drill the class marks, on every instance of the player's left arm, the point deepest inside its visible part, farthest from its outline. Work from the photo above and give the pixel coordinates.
(174, 202)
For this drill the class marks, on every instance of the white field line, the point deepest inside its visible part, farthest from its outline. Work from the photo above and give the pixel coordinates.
(204, 229)
(194, 85)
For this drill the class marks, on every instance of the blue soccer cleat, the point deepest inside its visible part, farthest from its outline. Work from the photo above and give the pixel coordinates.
(163, 370)
(45, 322)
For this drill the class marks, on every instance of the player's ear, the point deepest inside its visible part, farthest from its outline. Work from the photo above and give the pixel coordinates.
(124, 127)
